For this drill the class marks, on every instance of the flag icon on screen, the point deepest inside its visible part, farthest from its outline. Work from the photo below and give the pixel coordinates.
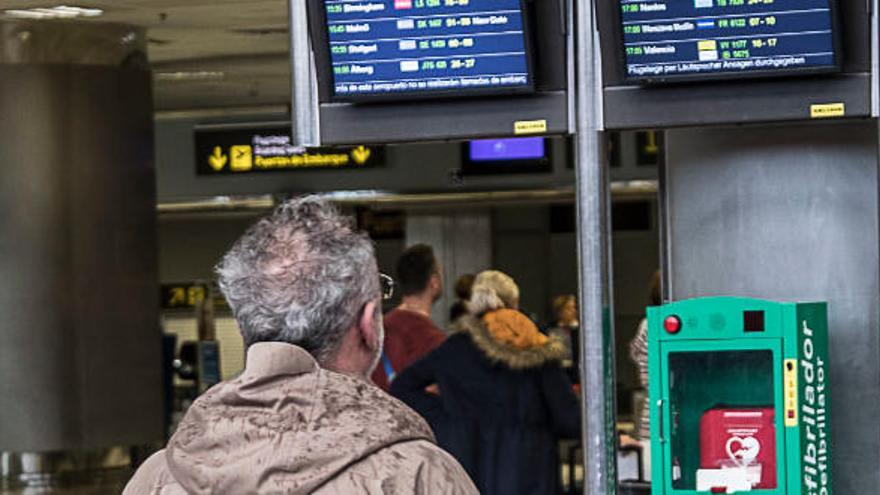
(403, 24)
(402, 4)
(409, 66)
(708, 50)
(710, 24)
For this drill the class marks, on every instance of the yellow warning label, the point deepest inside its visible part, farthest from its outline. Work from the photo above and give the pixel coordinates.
(242, 158)
(791, 392)
(707, 45)
(827, 110)
(530, 127)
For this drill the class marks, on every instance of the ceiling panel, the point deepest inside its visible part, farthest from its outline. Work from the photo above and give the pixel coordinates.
(245, 40)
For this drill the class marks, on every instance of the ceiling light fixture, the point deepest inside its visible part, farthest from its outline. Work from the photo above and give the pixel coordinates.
(59, 12)
(201, 75)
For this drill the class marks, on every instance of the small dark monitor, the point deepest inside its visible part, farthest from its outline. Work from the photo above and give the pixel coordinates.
(405, 49)
(505, 156)
(668, 40)
(753, 321)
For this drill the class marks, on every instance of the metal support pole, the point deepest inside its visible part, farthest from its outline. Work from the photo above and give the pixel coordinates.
(596, 363)
(875, 59)
(304, 114)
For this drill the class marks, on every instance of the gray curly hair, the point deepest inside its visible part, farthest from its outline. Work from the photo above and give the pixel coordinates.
(302, 275)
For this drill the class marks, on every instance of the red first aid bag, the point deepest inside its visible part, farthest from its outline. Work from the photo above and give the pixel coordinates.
(740, 438)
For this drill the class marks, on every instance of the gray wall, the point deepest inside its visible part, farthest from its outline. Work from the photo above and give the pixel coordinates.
(791, 213)
(462, 243)
(516, 240)
(544, 263)
(522, 248)
(190, 246)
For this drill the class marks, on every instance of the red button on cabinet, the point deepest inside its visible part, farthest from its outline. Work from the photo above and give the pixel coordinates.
(672, 324)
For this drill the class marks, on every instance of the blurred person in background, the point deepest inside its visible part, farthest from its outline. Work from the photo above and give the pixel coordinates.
(566, 329)
(409, 331)
(496, 395)
(638, 351)
(463, 294)
(302, 417)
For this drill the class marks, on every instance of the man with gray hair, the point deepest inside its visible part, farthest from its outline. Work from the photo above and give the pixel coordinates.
(302, 417)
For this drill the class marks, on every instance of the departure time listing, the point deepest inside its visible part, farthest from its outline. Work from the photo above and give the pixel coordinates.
(399, 46)
(667, 38)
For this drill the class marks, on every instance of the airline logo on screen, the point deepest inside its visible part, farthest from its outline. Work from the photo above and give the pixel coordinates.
(242, 152)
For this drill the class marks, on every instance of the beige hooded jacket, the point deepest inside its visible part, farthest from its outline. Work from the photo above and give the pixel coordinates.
(285, 425)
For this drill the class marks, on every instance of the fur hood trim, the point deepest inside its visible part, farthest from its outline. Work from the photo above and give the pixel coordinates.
(515, 358)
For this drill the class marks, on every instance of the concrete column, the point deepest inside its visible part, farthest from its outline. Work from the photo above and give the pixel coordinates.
(462, 242)
(79, 337)
(790, 213)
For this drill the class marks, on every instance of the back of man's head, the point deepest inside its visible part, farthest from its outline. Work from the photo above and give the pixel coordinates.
(302, 275)
(414, 269)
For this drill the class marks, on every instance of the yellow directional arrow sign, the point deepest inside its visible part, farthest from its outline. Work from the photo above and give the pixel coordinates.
(246, 151)
(217, 160)
(360, 155)
(242, 158)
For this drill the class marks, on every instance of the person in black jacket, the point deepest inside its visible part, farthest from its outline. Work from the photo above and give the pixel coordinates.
(496, 395)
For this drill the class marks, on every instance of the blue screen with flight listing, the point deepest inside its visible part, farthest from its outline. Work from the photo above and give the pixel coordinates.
(687, 38)
(393, 47)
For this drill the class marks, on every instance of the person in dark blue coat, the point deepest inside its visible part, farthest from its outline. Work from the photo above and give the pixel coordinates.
(496, 395)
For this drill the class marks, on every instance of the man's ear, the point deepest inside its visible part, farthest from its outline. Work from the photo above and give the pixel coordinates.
(368, 326)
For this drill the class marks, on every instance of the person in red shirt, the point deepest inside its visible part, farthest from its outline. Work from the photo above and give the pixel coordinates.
(409, 332)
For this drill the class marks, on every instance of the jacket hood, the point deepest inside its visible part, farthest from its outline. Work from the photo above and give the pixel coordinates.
(514, 357)
(284, 425)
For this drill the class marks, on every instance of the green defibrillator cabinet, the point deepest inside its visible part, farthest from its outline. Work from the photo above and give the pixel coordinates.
(739, 397)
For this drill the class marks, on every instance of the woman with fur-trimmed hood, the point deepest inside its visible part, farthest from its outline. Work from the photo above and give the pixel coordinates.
(495, 394)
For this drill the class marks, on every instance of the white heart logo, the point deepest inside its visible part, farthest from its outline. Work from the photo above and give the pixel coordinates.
(743, 450)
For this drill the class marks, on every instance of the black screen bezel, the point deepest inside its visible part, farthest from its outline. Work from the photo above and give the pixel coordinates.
(626, 79)
(326, 80)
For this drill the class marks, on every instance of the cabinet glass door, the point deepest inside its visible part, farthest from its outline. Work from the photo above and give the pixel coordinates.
(721, 418)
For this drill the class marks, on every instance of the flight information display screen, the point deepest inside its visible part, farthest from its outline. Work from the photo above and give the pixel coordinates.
(398, 48)
(695, 39)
